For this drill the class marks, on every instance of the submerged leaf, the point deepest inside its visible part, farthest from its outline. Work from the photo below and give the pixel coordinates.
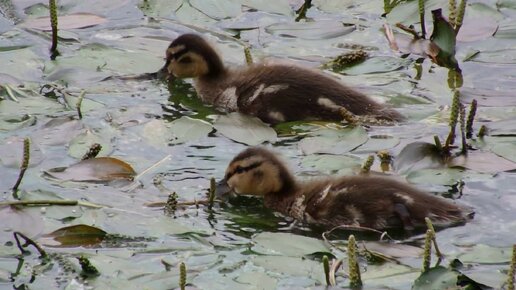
(244, 129)
(310, 30)
(74, 236)
(100, 169)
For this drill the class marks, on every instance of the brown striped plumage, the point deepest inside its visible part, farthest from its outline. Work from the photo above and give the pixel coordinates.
(366, 201)
(273, 92)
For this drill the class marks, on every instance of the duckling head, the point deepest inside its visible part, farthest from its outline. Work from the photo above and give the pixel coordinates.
(190, 56)
(256, 171)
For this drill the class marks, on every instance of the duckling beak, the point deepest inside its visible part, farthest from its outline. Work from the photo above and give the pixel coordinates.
(163, 73)
(222, 188)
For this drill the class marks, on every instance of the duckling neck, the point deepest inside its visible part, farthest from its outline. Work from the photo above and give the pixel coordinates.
(283, 199)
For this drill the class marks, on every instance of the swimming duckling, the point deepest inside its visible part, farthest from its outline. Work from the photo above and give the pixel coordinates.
(365, 201)
(270, 91)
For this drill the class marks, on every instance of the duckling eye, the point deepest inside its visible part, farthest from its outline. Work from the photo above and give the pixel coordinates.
(239, 170)
(186, 60)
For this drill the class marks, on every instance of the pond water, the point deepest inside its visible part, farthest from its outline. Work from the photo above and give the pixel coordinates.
(178, 145)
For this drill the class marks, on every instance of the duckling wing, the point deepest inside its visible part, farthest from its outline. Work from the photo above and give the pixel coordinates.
(277, 93)
(380, 203)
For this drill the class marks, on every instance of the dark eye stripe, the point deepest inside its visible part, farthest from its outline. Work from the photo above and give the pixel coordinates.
(244, 169)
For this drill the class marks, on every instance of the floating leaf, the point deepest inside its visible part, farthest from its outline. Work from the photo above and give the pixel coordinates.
(486, 162)
(294, 266)
(473, 30)
(26, 221)
(286, 244)
(71, 21)
(12, 153)
(81, 143)
(484, 254)
(324, 162)
(323, 29)
(377, 143)
(257, 280)
(417, 155)
(441, 176)
(74, 236)
(219, 9)
(505, 150)
(186, 129)
(393, 250)
(437, 278)
(334, 141)
(244, 129)
(100, 169)
(278, 7)
(58, 131)
(22, 64)
(443, 36)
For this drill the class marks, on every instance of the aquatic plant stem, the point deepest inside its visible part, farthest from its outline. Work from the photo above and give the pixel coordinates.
(366, 167)
(482, 131)
(79, 103)
(421, 6)
(248, 56)
(512, 270)
(462, 119)
(454, 116)
(211, 194)
(53, 23)
(24, 166)
(430, 226)
(427, 253)
(28, 241)
(326, 266)
(355, 281)
(471, 118)
(452, 8)
(182, 276)
(38, 202)
(460, 16)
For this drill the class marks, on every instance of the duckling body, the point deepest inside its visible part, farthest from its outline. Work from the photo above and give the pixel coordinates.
(273, 92)
(366, 201)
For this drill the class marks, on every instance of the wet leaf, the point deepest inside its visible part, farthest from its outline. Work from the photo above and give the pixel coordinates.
(388, 275)
(485, 254)
(22, 64)
(436, 278)
(257, 280)
(473, 30)
(378, 64)
(394, 251)
(244, 129)
(334, 141)
(187, 129)
(442, 176)
(286, 244)
(505, 150)
(81, 143)
(100, 169)
(324, 162)
(71, 21)
(376, 143)
(26, 221)
(417, 155)
(74, 236)
(486, 162)
(219, 9)
(310, 30)
(493, 279)
(160, 8)
(58, 131)
(443, 36)
(293, 266)
(278, 7)
(12, 153)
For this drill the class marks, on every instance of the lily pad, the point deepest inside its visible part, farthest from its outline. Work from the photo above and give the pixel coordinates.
(484, 254)
(442, 176)
(294, 266)
(323, 29)
(219, 9)
(244, 129)
(437, 278)
(74, 236)
(326, 162)
(12, 153)
(286, 244)
(394, 251)
(26, 221)
(100, 169)
(71, 21)
(278, 7)
(485, 162)
(417, 155)
(81, 143)
(22, 64)
(187, 129)
(505, 150)
(333, 141)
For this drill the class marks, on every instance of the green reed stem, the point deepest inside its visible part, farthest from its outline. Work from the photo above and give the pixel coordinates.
(24, 165)
(421, 5)
(79, 103)
(366, 167)
(355, 281)
(471, 118)
(430, 227)
(182, 276)
(512, 270)
(427, 254)
(452, 7)
(460, 15)
(248, 56)
(326, 266)
(53, 23)
(454, 116)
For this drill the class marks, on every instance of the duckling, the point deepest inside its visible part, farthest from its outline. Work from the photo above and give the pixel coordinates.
(273, 92)
(366, 201)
